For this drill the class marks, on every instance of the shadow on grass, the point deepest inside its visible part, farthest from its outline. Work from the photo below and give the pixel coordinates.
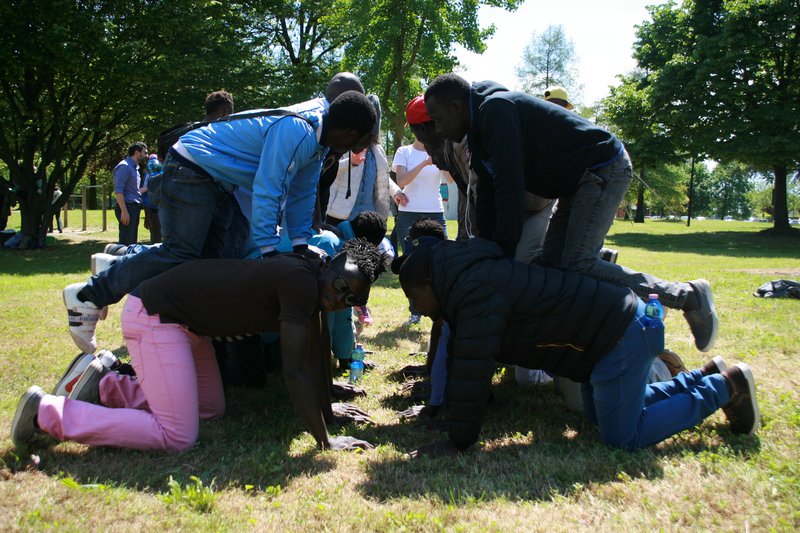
(60, 258)
(729, 243)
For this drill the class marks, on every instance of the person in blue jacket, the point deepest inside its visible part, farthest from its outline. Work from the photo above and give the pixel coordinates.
(277, 156)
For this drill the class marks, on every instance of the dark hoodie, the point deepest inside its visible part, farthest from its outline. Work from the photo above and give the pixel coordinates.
(522, 143)
(535, 317)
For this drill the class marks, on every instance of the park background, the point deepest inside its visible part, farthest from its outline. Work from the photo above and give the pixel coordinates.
(709, 110)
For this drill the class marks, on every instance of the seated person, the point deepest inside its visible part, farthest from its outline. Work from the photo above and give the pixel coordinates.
(167, 322)
(570, 325)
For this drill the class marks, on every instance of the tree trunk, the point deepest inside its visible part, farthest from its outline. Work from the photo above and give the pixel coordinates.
(780, 210)
(640, 200)
(92, 200)
(33, 210)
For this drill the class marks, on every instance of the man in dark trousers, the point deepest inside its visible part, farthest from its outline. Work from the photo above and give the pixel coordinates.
(521, 143)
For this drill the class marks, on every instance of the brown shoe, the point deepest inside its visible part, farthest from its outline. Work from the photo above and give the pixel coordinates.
(714, 366)
(742, 408)
(673, 362)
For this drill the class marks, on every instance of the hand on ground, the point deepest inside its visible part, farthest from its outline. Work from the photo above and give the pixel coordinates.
(437, 449)
(345, 391)
(349, 444)
(345, 413)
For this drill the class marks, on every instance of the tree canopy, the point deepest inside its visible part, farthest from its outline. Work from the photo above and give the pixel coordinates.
(549, 59)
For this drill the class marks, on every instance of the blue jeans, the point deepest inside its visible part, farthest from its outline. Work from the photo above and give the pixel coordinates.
(195, 217)
(128, 234)
(580, 224)
(631, 414)
(405, 219)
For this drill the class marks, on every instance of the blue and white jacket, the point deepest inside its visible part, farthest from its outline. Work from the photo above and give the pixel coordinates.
(277, 159)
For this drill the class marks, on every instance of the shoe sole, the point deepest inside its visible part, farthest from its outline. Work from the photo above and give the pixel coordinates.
(712, 339)
(751, 387)
(67, 381)
(673, 362)
(720, 362)
(18, 437)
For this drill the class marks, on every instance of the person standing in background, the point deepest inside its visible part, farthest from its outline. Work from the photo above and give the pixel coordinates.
(126, 190)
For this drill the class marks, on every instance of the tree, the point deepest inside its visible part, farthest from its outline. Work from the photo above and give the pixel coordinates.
(724, 192)
(80, 75)
(726, 79)
(549, 59)
(397, 44)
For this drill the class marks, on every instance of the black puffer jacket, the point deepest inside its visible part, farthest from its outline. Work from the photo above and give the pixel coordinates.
(522, 143)
(535, 317)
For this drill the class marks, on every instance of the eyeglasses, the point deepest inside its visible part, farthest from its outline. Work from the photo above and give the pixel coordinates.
(341, 287)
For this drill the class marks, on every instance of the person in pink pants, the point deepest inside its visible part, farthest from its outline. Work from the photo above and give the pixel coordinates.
(167, 322)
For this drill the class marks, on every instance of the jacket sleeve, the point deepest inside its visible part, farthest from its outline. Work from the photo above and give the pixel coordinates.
(288, 170)
(502, 136)
(478, 328)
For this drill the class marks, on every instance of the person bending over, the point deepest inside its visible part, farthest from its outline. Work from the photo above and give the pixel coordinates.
(570, 325)
(167, 323)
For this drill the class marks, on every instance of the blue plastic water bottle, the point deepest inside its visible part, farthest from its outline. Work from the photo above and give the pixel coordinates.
(357, 364)
(654, 312)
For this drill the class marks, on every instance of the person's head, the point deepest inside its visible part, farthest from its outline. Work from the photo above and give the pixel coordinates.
(415, 278)
(346, 281)
(218, 104)
(559, 96)
(424, 129)
(138, 151)
(369, 225)
(422, 233)
(341, 83)
(351, 118)
(447, 101)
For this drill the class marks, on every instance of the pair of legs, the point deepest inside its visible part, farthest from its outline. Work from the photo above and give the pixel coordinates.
(403, 222)
(178, 383)
(631, 414)
(195, 216)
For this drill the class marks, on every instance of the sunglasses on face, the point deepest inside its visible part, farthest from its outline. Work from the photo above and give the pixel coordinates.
(341, 287)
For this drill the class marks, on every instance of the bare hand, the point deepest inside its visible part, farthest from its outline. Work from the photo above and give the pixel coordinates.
(442, 448)
(349, 444)
(401, 199)
(345, 413)
(125, 217)
(411, 371)
(418, 411)
(345, 391)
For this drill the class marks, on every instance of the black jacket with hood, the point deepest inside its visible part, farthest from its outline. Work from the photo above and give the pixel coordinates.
(522, 143)
(503, 310)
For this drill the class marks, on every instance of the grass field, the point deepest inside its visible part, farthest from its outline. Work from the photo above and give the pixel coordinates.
(538, 466)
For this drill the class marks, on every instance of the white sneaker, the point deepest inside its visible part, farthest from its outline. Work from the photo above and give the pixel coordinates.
(83, 317)
(72, 374)
(87, 389)
(102, 262)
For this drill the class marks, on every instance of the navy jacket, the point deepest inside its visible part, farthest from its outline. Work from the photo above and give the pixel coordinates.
(507, 311)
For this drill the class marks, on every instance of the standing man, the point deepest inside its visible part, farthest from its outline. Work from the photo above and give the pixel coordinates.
(519, 143)
(126, 190)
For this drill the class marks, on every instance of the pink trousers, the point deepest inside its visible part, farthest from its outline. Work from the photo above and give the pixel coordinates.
(177, 383)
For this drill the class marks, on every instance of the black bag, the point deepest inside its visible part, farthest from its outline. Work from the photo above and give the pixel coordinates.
(780, 288)
(170, 136)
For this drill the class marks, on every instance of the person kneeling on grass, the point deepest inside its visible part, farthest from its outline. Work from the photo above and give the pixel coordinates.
(167, 322)
(568, 324)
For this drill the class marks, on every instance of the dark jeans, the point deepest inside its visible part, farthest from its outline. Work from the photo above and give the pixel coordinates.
(195, 217)
(129, 234)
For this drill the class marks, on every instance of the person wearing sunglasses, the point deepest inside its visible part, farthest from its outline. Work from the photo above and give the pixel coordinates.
(168, 322)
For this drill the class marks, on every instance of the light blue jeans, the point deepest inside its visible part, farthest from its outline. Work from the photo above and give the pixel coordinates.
(195, 218)
(631, 414)
(580, 224)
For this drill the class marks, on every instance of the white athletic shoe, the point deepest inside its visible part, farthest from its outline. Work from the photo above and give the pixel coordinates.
(83, 317)
(72, 374)
(102, 262)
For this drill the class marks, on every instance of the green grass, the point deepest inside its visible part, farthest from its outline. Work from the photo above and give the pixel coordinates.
(538, 466)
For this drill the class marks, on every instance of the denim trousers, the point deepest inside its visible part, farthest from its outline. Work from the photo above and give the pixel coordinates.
(405, 219)
(631, 414)
(129, 234)
(195, 220)
(580, 224)
(177, 384)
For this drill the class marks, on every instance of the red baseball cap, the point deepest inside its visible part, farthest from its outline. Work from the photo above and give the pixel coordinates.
(416, 112)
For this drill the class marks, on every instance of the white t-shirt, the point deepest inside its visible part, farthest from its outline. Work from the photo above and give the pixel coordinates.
(423, 193)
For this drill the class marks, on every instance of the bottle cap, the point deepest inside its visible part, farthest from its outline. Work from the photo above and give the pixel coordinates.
(653, 296)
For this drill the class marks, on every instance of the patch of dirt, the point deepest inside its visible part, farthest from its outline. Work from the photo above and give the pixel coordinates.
(781, 272)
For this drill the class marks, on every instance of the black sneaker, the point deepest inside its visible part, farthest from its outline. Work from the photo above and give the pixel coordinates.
(703, 321)
(87, 388)
(115, 249)
(23, 427)
(609, 254)
(717, 365)
(742, 408)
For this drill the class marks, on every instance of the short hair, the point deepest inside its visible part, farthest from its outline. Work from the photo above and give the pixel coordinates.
(341, 82)
(217, 100)
(369, 260)
(448, 87)
(416, 269)
(426, 227)
(352, 111)
(369, 225)
(137, 147)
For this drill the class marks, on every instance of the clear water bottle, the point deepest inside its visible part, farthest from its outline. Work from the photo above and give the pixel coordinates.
(654, 312)
(357, 364)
